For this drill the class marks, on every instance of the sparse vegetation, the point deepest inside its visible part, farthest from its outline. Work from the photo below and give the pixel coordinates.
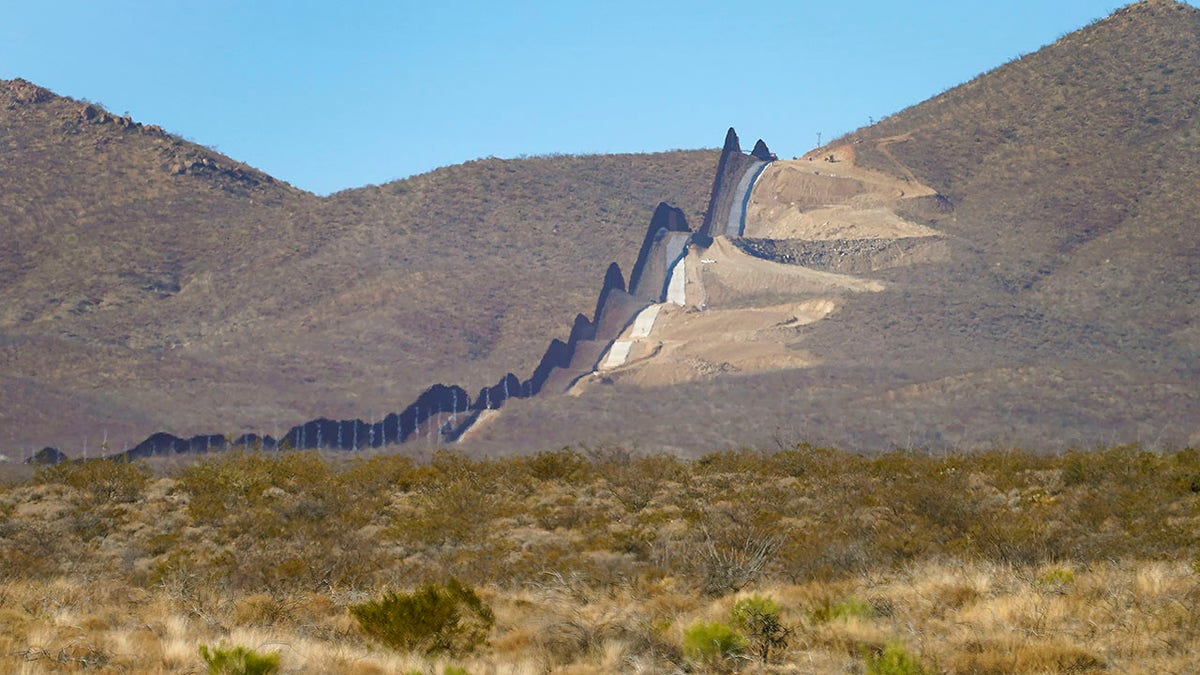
(434, 619)
(894, 659)
(712, 643)
(134, 242)
(758, 618)
(999, 561)
(238, 660)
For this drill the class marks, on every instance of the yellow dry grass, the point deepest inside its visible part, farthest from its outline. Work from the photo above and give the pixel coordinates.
(955, 616)
(1000, 562)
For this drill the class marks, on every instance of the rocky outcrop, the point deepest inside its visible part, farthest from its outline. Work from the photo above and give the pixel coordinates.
(845, 256)
(162, 443)
(428, 414)
(762, 153)
(23, 92)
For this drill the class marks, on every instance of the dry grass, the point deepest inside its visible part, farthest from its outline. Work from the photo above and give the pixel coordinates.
(996, 562)
(954, 616)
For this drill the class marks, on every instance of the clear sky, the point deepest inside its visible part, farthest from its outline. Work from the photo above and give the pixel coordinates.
(333, 95)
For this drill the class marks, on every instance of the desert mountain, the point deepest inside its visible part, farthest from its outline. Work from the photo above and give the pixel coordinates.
(1015, 261)
(149, 284)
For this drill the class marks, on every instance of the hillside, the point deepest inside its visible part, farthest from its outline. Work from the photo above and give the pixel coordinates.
(1012, 262)
(1035, 236)
(149, 284)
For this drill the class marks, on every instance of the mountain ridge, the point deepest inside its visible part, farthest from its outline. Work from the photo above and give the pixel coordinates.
(1027, 276)
(1056, 307)
(148, 311)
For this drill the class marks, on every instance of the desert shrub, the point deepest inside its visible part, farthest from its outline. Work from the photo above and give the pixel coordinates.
(1056, 578)
(271, 507)
(102, 481)
(730, 563)
(241, 482)
(30, 550)
(758, 618)
(807, 460)
(564, 465)
(829, 609)
(712, 642)
(749, 462)
(635, 481)
(894, 659)
(450, 512)
(374, 477)
(435, 618)
(227, 485)
(238, 660)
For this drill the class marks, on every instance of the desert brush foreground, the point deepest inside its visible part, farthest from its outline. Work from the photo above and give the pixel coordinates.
(604, 561)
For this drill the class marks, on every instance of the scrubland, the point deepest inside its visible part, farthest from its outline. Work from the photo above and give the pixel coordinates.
(600, 560)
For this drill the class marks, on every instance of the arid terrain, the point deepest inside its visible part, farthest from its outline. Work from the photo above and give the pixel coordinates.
(1032, 262)
(1013, 261)
(996, 562)
(922, 400)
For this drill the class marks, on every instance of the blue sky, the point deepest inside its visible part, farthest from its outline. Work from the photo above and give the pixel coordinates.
(329, 96)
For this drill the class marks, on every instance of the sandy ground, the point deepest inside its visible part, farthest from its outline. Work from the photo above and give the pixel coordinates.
(820, 200)
(712, 336)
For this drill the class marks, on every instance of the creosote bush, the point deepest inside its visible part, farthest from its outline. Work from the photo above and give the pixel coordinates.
(238, 660)
(712, 642)
(829, 609)
(894, 659)
(436, 618)
(758, 618)
(101, 481)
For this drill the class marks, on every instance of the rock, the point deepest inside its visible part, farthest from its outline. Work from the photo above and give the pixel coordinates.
(25, 92)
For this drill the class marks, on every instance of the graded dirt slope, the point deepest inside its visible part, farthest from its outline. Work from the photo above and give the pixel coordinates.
(815, 199)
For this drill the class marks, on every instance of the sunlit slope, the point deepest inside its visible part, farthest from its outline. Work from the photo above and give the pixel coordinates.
(150, 284)
(1035, 239)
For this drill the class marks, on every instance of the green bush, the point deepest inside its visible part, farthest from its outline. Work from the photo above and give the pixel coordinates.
(101, 481)
(849, 608)
(758, 617)
(712, 642)
(894, 659)
(238, 660)
(1058, 577)
(433, 619)
(564, 465)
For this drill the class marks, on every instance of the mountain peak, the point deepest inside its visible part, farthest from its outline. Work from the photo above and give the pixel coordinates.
(24, 92)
